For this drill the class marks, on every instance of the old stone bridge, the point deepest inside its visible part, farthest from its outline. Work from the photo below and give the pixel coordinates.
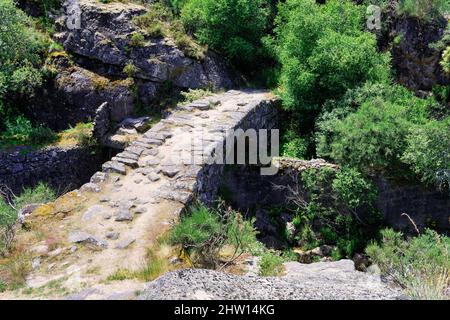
(142, 190)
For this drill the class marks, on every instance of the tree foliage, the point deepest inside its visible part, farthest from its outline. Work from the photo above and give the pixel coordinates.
(233, 27)
(323, 52)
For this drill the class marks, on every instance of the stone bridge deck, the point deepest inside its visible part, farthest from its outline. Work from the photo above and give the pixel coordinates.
(143, 190)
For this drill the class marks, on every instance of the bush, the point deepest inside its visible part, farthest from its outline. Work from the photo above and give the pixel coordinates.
(9, 211)
(374, 136)
(270, 264)
(293, 145)
(233, 27)
(428, 150)
(159, 21)
(204, 233)
(20, 131)
(420, 265)
(321, 56)
(21, 50)
(423, 9)
(334, 208)
(445, 62)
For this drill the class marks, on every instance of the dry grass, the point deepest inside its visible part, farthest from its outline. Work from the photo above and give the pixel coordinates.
(80, 135)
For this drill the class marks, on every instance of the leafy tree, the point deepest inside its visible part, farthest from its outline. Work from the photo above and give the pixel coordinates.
(233, 27)
(369, 127)
(428, 151)
(423, 9)
(21, 50)
(374, 137)
(323, 52)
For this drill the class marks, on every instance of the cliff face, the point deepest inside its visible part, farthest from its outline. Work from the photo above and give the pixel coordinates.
(99, 41)
(414, 59)
(416, 63)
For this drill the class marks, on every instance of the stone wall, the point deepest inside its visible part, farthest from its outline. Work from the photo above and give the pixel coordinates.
(427, 207)
(63, 169)
(248, 191)
(263, 115)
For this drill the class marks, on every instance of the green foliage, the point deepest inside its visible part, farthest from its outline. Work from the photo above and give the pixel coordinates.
(428, 150)
(352, 189)
(322, 57)
(21, 50)
(270, 264)
(41, 193)
(137, 39)
(423, 9)
(374, 136)
(335, 208)
(195, 94)
(130, 70)
(204, 233)
(420, 265)
(445, 62)
(233, 27)
(20, 131)
(292, 145)
(159, 21)
(9, 211)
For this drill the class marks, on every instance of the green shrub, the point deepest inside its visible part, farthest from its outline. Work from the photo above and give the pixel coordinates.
(445, 62)
(195, 94)
(423, 9)
(270, 264)
(41, 193)
(130, 70)
(352, 189)
(420, 265)
(292, 145)
(8, 217)
(21, 49)
(428, 150)
(204, 232)
(233, 27)
(321, 56)
(20, 131)
(137, 39)
(335, 208)
(159, 21)
(9, 211)
(374, 136)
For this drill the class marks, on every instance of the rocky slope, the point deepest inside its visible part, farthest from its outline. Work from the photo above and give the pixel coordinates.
(322, 280)
(99, 47)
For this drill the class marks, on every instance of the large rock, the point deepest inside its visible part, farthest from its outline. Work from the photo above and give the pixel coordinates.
(416, 62)
(323, 280)
(76, 94)
(104, 37)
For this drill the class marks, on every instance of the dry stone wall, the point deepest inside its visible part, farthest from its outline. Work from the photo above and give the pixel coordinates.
(62, 168)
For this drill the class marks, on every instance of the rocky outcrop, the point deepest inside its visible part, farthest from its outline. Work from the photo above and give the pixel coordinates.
(98, 43)
(105, 39)
(317, 281)
(415, 62)
(76, 93)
